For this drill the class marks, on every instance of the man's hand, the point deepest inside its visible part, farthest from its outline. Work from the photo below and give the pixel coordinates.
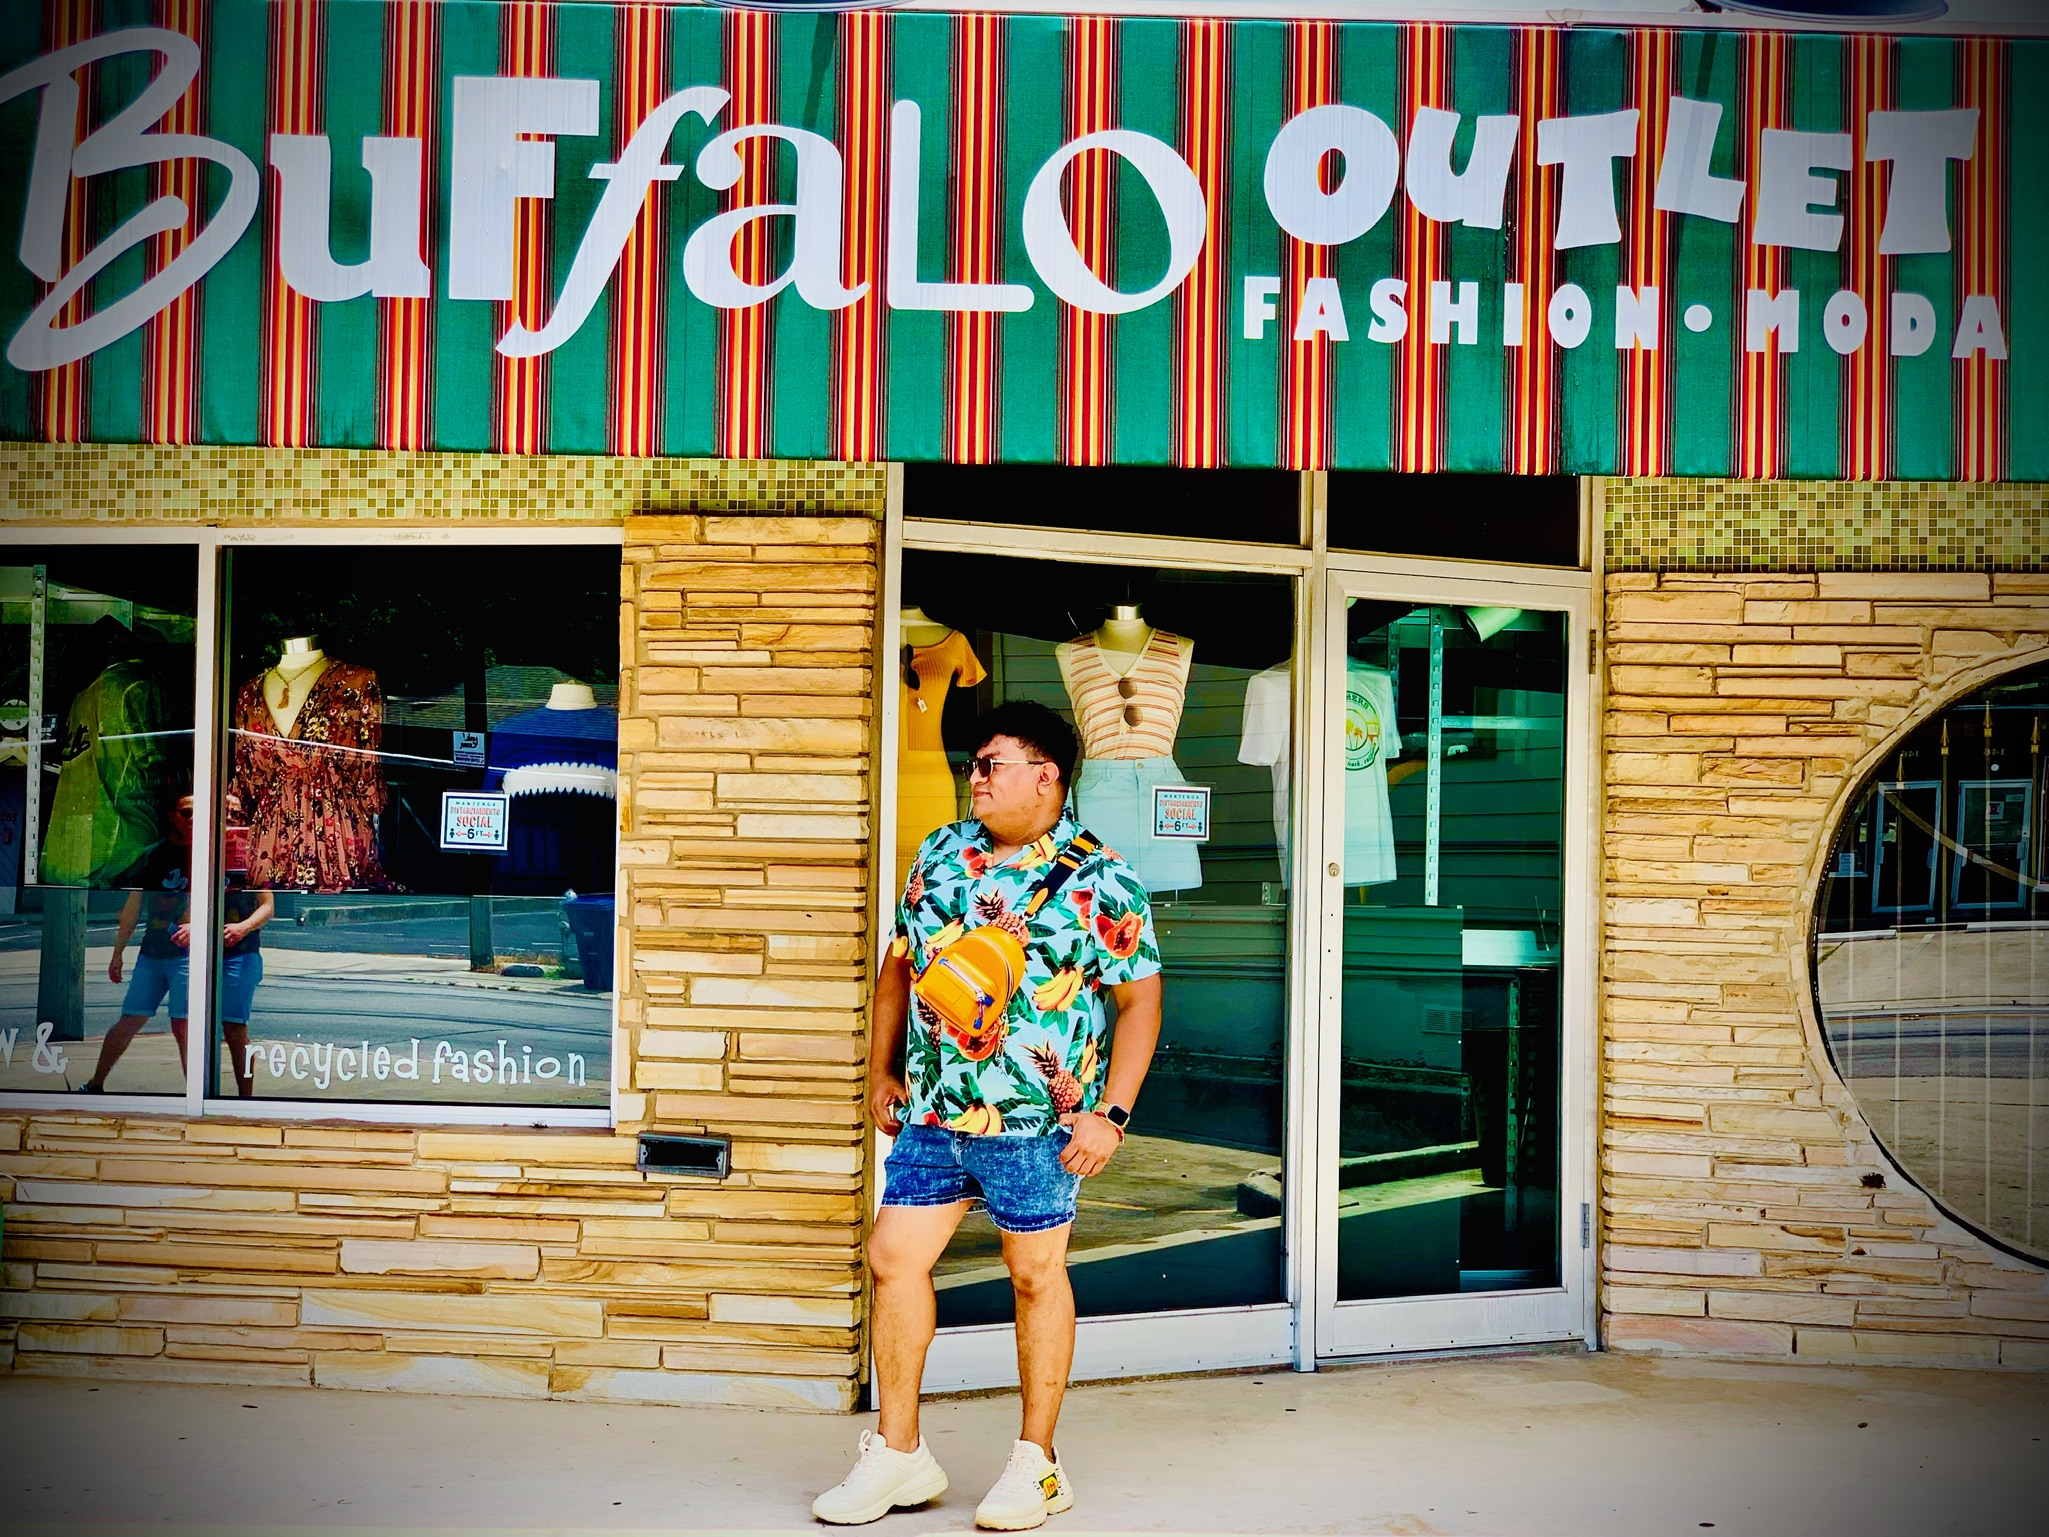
(887, 1097)
(181, 936)
(1091, 1145)
(114, 966)
(234, 933)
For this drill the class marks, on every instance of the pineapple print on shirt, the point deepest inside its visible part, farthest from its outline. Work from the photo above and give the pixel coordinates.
(1097, 932)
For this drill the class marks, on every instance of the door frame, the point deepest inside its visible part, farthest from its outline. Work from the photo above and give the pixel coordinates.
(1566, 1311)
(1307, 1325)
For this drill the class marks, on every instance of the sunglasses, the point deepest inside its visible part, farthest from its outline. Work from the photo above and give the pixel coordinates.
(988, 763)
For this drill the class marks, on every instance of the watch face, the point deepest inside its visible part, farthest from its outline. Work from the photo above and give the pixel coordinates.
(1116, 1115)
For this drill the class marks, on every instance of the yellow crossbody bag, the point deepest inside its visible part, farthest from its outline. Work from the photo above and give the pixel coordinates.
(969, 984)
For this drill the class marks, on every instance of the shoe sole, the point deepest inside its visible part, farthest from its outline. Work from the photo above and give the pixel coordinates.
(1065, 1501)
(903, 1499)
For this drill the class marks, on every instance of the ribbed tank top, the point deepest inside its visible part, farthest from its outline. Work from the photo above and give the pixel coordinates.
(1156, 696)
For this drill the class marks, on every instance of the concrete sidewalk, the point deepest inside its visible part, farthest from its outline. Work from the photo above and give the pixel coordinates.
(1566, 1444)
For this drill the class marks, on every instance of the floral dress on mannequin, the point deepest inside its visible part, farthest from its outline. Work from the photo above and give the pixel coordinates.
(311, 799)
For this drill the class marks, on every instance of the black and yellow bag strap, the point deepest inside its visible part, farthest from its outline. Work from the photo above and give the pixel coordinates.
(1065, 863)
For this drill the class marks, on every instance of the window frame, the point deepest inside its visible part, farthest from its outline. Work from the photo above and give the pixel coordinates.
(209, 714)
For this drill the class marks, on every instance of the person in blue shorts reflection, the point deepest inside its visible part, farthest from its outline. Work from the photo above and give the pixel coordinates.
(163, 965)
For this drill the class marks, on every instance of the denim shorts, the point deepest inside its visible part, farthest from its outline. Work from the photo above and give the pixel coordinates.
(239, 976)
(156, 978)
(1020, 1177)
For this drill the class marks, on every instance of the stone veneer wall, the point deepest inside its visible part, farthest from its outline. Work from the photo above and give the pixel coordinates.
(1739, 1214)
(527, 1262)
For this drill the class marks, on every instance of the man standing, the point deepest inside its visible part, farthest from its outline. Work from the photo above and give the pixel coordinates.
(1021, 1120)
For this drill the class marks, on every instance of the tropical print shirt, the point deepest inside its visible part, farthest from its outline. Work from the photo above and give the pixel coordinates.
(1097, 932)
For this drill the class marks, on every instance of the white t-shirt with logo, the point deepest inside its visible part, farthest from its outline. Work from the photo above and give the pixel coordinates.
(1371, 743)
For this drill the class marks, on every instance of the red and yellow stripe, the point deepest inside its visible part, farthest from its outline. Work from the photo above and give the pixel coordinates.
(405, 327)
(1422, 259)
(297, 79)
(1532, 371)
(975, 248)
(857, 330)
(61, 397)
(640, 73)
(1979, 383)
(1766, 88)
(170, 339)
(744, 347)
(1201, 305)
(1306, 370)
(1085, 387)
(1867, 419)
(526, 48)
(1646, 429)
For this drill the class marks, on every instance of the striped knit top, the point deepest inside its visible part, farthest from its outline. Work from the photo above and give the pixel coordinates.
(1129, 712)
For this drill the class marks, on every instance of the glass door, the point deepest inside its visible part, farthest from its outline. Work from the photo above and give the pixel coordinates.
(1454, 1011)
(1180, 684)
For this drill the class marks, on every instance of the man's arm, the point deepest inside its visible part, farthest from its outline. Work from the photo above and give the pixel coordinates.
(1094, 1139)
(259, 915)
(124, 930)
(888, 1015)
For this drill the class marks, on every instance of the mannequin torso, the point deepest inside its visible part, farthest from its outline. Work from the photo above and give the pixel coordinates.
(287, 683)
(917, 630)
(1126, 681)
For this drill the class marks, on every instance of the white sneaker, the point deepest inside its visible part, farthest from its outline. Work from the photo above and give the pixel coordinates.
(882, 1479)
(1032, 1488)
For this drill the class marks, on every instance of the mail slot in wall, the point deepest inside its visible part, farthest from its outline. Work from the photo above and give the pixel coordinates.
(703, 1157)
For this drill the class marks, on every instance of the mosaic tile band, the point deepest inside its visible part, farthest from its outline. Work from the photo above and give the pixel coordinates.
(1734, 525)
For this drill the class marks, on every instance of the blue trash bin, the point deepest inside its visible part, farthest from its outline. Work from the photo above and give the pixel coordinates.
(593, 920)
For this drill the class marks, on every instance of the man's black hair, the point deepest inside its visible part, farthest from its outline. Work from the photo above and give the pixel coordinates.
(1040, 731)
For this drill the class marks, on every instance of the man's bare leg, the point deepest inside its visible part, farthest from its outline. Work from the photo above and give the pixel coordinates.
(235, 1033)
(902, 1249)
(1045, 1326)
(113, 1044)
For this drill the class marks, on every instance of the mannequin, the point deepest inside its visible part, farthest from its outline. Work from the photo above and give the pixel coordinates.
(1127, 682)
(920, 630)
(932, 660)
(560, 764)
(291, 678)
(307, 771)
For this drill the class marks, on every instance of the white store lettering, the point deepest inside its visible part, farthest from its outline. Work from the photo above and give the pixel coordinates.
(1331, 174)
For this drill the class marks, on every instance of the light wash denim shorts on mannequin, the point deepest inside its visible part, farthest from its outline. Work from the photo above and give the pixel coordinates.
(1020, 1177)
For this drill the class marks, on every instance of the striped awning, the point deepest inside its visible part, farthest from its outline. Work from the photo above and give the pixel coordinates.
(1458, 329)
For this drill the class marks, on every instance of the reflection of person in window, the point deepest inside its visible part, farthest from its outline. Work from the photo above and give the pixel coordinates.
(163, 967)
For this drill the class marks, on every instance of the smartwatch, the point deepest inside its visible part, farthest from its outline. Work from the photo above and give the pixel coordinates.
(1116, 1115)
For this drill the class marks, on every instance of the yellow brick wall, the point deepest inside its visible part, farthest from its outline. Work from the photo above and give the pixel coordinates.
(1738, 1210)
(512, 1262)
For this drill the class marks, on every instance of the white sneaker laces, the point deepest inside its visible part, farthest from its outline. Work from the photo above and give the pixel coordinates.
(873, 1461)
(1021, 1475)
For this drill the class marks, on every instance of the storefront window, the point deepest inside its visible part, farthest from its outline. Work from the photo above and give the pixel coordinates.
(1175, 680)
(1453, 805)
(1931, 959)
(418, 813)
(96, 648)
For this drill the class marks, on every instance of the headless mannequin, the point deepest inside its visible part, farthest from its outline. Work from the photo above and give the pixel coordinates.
(572, 696)
(287, 683)
(918, 630)
(1122, 638)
